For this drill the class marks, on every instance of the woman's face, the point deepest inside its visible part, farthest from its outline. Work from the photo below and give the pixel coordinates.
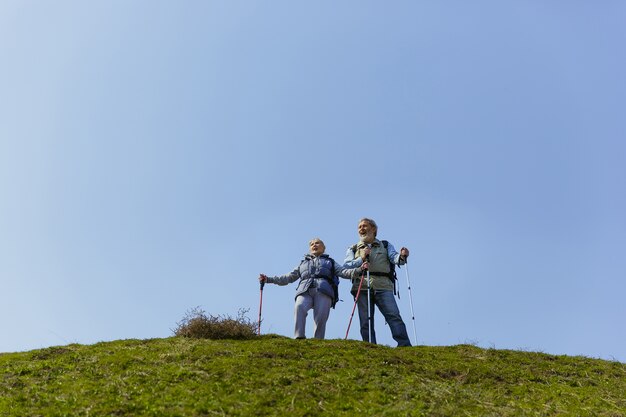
(316, 247)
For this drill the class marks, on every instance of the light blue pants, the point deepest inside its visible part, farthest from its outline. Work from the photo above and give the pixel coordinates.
(320, 303)
(386, 303)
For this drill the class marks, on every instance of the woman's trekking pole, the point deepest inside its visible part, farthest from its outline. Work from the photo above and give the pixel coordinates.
(260, 308)
(408, 283)
(356, 299)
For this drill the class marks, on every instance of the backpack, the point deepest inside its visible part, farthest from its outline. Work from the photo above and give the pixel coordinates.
(334, 282)
(392, 269)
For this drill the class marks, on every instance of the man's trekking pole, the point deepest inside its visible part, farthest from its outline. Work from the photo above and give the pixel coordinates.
(408, 283)
(356, 299)
(262, 283)
(369, 300)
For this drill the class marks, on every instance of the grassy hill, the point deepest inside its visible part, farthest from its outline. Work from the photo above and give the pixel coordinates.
(272, 375)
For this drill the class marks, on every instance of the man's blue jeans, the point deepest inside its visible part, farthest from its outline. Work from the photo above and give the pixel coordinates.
(386, 303)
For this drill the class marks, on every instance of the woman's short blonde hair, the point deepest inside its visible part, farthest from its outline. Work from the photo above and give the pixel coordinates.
(318, 239)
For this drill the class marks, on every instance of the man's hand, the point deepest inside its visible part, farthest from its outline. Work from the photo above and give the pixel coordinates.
(262, 278)
(365, 254)
(404, 254)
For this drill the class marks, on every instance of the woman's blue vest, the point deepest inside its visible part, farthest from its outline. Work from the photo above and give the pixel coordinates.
(316, 272)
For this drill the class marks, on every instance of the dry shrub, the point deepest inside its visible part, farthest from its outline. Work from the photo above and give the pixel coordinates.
(197, 324)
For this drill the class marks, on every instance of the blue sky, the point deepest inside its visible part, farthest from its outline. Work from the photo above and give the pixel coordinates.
(157, 156)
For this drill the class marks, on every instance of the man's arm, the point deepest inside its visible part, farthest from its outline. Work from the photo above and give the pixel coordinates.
(398, 258)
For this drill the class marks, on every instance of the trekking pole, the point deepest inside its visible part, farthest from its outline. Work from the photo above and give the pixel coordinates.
(408, 283)
(369, 310)
(356, 299)
(262, 284)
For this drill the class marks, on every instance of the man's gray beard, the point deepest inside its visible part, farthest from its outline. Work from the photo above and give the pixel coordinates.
(362, 239)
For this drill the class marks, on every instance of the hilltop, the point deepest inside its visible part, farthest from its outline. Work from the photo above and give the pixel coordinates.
(273, 375)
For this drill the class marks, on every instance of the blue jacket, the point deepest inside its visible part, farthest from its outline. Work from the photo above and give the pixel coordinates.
(315, 272)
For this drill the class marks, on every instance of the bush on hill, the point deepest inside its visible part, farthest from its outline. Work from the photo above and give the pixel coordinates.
(197, 324)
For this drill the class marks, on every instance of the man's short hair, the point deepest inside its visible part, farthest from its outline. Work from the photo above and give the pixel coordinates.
(371, 223)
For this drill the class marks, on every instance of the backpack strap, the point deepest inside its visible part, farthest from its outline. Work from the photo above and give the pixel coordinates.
(392, 270)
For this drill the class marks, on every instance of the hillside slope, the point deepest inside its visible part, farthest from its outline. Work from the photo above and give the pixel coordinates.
(273, 375)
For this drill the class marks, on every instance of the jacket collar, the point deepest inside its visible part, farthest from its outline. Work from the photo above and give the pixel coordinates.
(375, 243)
(308, 256)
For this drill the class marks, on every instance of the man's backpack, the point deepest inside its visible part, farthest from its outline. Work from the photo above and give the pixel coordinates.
(392, 269)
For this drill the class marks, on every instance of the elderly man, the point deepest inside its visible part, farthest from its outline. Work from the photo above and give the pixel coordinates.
(316, 272)
(382, 257)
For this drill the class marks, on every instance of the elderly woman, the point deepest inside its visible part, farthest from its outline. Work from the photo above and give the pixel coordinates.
(317, 273)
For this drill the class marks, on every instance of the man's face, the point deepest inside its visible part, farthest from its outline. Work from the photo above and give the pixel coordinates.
(366, 232)
(316, 247)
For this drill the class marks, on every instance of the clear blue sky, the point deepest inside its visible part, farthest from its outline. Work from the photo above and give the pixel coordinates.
(157, 156)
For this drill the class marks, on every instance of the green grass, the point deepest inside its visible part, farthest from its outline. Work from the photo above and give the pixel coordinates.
(272, 375)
